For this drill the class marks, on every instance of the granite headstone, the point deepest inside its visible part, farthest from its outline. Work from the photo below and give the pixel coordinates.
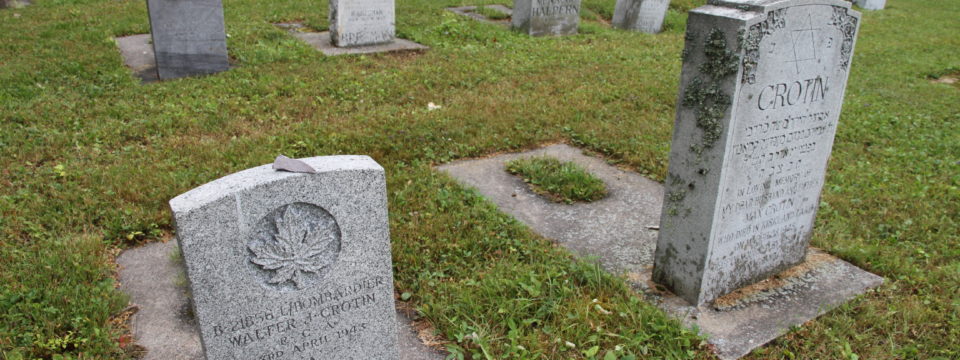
(361, 22)
(761, 89)
(640, 15)
(871, 4)
(546, 17)
(286, 265)
(189, 38)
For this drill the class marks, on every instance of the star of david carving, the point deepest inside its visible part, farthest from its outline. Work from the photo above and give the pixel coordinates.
(798, 37)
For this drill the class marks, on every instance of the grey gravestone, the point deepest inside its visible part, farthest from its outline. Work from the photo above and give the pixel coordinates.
(361, 22)
(871, 4)
(188, 37)
(619, 232)
(761, 90)
(640, 15)
(546, 17)
(289, 265)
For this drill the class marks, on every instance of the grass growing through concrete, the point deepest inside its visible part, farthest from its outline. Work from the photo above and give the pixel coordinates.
(89, 159)
(560, 181)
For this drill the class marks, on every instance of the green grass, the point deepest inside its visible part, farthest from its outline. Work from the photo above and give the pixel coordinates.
(89, 159)
(491, 14)
(560, 181)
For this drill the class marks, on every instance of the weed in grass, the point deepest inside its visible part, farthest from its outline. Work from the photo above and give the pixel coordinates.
(560, 181)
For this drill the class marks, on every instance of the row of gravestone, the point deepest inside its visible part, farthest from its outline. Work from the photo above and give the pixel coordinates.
(189, 37)
(297, 265)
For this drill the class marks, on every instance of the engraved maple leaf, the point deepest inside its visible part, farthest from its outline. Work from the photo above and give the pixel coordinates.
(298, 248)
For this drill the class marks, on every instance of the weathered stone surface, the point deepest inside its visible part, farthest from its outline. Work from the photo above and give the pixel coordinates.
(871, 4)
(470, 11)
(164, 324)
(188, 37)
(138, 55)
(290, 265)
(546, 17)
(617, 231)
(761, 90)
(321, 42)
(361, 22)
(640, 15)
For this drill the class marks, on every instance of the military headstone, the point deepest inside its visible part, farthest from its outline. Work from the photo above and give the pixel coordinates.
(188, 37)
(546, 17)
(760, 96)
(287, 265)
(361, 22)
(640, 15)
(871, 4)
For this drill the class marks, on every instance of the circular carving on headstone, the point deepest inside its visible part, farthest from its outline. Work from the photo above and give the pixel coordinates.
(293, 247)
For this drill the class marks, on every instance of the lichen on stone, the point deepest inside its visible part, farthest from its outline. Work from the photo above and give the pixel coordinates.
(706, 96)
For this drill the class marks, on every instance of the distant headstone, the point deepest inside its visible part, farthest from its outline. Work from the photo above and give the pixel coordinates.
(188, 37)
(289, 265)
(546, 17)
(13, 4)
(871, 4)
(761, 90)
(640, 15)
(361, 22)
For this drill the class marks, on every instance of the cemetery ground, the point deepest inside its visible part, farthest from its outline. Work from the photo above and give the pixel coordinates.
(89, 158)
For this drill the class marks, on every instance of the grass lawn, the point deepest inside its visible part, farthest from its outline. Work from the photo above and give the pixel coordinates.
(560, 181)
(89, 159)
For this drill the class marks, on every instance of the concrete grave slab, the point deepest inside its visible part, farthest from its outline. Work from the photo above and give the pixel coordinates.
(470, 11)
(620, 231)
(164, 324)
(137, 52)
(321, 41)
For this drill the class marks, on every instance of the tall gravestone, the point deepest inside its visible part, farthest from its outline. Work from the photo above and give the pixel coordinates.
(291, 265)
(546, 17)
(640, 15)
(361, 22)
(871, 4)
(188, 37)
(760, 96)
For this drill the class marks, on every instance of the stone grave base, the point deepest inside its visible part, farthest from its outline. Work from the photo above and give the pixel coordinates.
(137, 52)
(470, 11)
(163, 323)
(321, 41)
(620, 231)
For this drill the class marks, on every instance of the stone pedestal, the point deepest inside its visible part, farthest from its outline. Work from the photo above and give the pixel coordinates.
(188, 37)
(546, 17)
(640, 15)
(361, 22)
(760, 96)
